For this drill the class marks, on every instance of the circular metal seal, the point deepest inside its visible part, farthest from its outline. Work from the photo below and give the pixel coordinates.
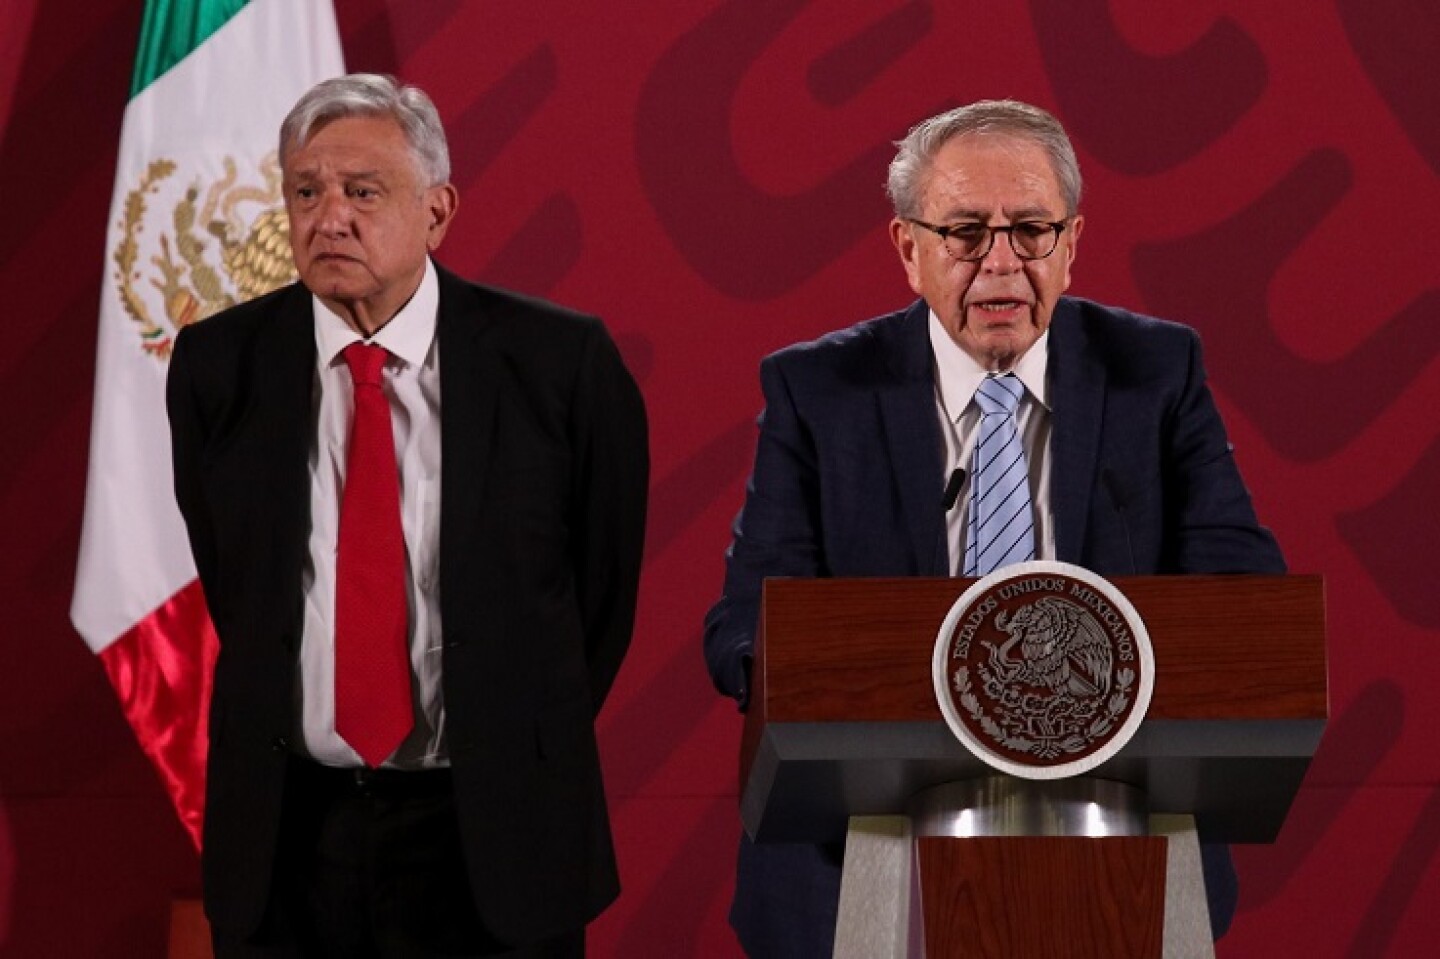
(1043, 670)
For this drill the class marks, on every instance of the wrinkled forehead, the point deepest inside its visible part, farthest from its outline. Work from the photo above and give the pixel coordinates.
(361, 141)
(984, 174)
(298, 137)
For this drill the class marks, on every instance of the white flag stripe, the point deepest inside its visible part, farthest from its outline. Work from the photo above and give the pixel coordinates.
(225, 100)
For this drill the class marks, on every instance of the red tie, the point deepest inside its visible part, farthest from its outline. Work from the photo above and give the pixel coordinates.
(372, 665)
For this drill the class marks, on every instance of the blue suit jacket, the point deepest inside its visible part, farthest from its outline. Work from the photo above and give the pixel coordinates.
(848, 481)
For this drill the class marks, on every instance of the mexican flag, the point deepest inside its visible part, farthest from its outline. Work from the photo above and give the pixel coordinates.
(196, 225)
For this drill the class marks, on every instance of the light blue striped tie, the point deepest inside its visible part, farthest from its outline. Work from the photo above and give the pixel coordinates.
(1002, 524)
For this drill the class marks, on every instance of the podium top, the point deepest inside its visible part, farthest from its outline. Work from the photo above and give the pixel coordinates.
(843, 719)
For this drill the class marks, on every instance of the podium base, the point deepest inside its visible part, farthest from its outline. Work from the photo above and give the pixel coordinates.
(1140, 896)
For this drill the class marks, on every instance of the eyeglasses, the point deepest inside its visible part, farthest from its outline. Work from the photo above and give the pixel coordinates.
(1031, 239)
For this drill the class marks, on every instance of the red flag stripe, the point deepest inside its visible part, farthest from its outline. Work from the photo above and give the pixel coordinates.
(161, 672)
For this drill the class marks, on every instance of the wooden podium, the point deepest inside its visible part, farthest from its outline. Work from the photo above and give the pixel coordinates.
(843, 723)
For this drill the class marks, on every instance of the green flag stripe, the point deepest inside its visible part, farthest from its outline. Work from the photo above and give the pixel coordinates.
(171, 30)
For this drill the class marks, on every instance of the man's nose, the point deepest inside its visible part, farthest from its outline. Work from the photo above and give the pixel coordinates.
(333, 217)
(1001, 257)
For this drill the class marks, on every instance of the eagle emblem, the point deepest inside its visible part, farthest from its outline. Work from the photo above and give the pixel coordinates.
(1043, 669)
(223, 244)
(1062, 648)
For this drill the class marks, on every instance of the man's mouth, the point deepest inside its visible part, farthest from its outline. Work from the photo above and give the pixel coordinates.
(1000, 307)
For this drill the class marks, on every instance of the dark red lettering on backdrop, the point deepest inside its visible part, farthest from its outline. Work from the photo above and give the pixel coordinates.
(748, 243)
(1108, 91)
(708, 176)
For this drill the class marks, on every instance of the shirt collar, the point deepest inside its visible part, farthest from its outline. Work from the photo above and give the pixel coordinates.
(959, 375)
(408, 335)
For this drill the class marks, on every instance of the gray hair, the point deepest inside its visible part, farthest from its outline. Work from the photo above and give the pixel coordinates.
(372, 95)
(1006, 117)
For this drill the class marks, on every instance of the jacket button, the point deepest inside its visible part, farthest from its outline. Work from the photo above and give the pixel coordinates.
(280, 744)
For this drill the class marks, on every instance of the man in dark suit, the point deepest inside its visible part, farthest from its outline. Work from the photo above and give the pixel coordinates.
(1128, 469)
(454, 805)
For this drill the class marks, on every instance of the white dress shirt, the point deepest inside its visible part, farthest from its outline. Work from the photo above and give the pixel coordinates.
(957, 376)
(411, 381)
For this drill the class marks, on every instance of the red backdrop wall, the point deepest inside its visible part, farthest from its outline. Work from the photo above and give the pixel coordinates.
(706, 175)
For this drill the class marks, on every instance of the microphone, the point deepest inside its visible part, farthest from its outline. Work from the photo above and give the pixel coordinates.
(952, 489)
(1119, 500)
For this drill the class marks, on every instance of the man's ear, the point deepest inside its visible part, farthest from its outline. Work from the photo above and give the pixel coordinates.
(1072, 243)
(902, 234)
(441, 202)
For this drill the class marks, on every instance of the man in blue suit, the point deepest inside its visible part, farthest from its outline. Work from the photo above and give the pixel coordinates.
(868, 436)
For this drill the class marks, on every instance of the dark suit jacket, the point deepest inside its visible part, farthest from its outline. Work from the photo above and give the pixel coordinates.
(544, 468)
(848, 477)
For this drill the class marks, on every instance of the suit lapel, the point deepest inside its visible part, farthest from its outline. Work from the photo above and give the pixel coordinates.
(1077, 380)
(470, 371)
(285, 379)
(912, 438)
